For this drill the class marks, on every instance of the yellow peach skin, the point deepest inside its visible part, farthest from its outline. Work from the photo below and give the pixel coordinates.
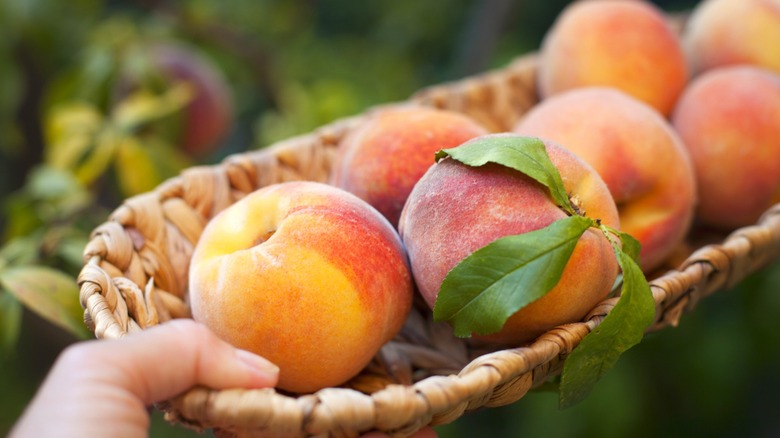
(729, 119)
(456, 209)
(306, 275)
(382, 159)
(728, 32)
(635, 151)
(623, 44)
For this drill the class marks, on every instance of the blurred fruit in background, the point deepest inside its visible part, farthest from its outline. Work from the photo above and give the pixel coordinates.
(208, 114)
(728, 32)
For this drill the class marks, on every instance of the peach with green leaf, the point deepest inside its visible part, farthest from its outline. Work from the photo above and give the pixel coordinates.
(456, 209)
(511, 236)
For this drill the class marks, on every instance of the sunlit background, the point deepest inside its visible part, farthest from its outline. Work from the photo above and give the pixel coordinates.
(73, 130)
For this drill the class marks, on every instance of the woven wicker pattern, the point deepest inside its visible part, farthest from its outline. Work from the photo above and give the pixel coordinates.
(135, 276)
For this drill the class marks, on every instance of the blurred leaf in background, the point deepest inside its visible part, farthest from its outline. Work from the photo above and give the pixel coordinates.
(48, 292)
(10, 322)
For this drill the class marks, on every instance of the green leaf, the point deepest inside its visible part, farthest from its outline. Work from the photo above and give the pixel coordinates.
(135, 170)
(630, 245)
(52, 195)
(70, 248)
(21, 216)
(99, 158)
(525, 154)
(48, 183)
(10, 321)
(168, 159)
(620, 330)
(143, 107)
(21, 249)
(70, 130)
(50, 293)
(497, 280)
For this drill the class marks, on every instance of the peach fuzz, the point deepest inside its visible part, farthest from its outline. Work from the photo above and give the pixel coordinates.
(456, 209)
(382, 159)
(628, 45)
(638, 155)
(729, 119)
(306, 275)
(728, 32)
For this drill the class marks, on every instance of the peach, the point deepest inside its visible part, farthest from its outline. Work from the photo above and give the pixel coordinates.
(382, 159)
(729, 119)
(727, 32)
(635, 151)
(209, 116)
(456, 209)
(305, 274)
(628, 45)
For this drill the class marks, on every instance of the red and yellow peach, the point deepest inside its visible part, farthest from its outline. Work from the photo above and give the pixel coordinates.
(728, 32)
(628, 45)
(635, 151)
(729, 119)
(306, 275)
(382, 159)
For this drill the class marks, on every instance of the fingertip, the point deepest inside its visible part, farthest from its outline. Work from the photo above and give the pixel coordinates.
(265, 372)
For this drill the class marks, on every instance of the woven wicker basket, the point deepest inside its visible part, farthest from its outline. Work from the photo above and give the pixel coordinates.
(135, 276)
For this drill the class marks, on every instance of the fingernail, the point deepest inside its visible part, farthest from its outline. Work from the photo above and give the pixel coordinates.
(258, 363)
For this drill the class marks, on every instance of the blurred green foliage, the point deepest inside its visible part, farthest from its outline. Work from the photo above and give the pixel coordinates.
(77, 137)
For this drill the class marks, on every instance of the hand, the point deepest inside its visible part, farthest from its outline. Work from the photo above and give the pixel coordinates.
(102, 388)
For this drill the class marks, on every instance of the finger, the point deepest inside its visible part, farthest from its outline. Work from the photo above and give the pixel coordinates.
(164, 361)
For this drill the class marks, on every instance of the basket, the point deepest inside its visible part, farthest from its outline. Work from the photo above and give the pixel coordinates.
(136, 265)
